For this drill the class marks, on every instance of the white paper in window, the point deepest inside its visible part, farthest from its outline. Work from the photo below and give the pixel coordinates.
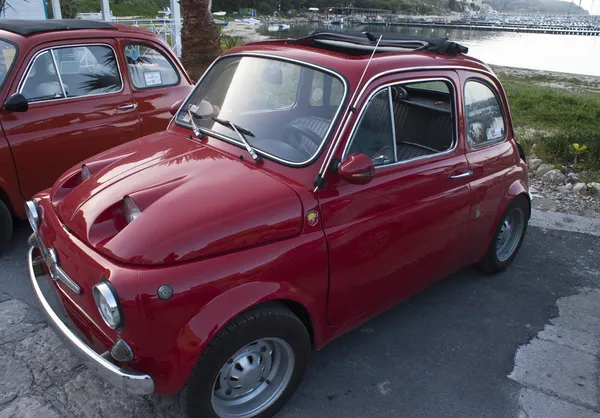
(152, 78)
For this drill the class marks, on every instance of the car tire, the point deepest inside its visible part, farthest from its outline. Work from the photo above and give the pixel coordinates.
(236, 357)
(6, 226)
(503, 247)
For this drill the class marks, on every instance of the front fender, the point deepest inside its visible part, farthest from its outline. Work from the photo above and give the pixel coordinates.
(212, 318)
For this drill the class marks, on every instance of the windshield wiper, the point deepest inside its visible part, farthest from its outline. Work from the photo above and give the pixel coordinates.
(240, 132)
(195, 128)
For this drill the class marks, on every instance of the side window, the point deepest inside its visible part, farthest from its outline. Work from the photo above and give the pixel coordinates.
(374, 135)
(149, 68)
(41, 82)
(483, 114)
(422, 123)
(423, 118)
(325, 86)
(88, 70)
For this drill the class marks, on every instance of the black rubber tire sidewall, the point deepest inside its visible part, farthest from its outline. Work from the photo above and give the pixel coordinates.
(6, 226)
(195, 397)
(490, 263)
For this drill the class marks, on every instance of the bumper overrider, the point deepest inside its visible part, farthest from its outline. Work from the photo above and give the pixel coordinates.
(135, 383)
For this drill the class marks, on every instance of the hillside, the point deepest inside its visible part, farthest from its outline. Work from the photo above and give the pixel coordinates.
(537, 6)
(150, 8)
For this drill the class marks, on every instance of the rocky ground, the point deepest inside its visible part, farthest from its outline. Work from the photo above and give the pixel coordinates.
(245, 31)
(561, 190)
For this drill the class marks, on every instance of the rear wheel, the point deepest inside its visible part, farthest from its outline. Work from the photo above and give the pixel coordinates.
(507, 238)
(251, 368)
(6, 226)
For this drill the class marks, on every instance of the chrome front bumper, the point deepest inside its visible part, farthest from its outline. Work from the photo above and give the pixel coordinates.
(135, 383)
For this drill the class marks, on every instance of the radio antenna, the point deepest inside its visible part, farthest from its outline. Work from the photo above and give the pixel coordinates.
(320, 180)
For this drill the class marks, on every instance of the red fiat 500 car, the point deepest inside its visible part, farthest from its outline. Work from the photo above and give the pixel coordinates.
(303, 187)
(71, 89)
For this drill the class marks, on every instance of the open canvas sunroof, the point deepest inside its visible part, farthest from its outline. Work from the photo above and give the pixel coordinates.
(31, 27)
(357, 43)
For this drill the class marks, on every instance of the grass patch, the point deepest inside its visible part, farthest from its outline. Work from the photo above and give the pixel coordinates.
(554, 119)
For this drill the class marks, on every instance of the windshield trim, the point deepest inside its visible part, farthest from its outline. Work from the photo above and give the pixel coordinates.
(265, 154)
(9, 70)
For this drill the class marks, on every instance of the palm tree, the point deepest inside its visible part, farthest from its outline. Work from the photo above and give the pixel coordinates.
(200, 39)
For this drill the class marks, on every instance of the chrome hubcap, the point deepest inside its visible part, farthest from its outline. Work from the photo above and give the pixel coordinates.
(253, 378)
(510, 234)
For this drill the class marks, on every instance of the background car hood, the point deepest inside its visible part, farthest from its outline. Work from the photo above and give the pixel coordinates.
(195, 202)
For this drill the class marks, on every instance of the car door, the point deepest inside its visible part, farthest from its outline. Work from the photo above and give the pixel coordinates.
(404, 229)
(157, 82)
(80, 110)
(489, 154)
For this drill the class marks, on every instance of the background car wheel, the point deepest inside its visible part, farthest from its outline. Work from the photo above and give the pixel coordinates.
(251, 368)
(507, 238)
(6, 226)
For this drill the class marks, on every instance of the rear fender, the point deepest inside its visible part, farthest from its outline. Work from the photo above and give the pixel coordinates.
(518, 187)
(212, 318)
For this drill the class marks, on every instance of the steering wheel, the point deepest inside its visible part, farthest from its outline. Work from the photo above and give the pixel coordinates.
(296, 132)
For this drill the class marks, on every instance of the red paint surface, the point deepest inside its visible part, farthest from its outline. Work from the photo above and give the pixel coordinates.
(54, 135)
(228, 234)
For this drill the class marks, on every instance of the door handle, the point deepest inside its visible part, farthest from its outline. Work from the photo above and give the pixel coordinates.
(462, 175)
(127, 106)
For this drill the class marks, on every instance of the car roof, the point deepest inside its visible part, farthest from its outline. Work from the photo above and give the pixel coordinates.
(31, 27)
(351, 64)
(63, 29)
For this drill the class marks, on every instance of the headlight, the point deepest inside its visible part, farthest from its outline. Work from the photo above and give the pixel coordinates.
(85, 173)
(108, 304)
(131, 209)
(33, 214)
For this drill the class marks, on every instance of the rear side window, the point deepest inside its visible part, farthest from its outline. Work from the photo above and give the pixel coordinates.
(483, 114)
(149, 68)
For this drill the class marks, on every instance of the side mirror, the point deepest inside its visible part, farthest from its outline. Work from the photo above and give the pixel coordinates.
(175, 107)
(16, 103)
(357, 168)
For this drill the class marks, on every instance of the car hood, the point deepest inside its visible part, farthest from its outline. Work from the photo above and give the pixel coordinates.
(194, 202)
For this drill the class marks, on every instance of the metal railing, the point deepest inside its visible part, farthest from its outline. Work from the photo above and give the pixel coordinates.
(166, 29)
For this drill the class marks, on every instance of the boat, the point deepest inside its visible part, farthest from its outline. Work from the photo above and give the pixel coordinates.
(221, 22)
(278, 27)
(219, 13)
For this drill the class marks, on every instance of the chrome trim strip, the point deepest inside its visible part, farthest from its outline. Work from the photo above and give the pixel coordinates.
(136, 383)
(338, 137)
(391, 105)
(225, 138)
(423, 157)
(62, 85)
(26, 73)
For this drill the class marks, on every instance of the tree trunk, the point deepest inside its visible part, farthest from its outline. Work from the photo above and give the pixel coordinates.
(200, 37)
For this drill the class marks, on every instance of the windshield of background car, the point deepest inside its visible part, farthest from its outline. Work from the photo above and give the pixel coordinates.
(8, 53)
(289, 108)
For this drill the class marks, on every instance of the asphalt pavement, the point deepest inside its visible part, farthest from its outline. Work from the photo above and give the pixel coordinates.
(524, 343)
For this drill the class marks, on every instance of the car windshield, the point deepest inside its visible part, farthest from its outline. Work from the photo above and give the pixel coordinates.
(289, 108)
(8, 53)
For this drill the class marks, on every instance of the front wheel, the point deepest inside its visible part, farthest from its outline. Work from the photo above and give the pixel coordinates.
(251, 368)
(507, 238)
